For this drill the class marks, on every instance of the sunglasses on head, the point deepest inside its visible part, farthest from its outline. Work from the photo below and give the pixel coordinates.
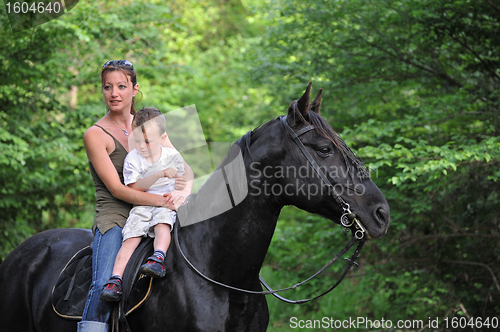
(124, 63)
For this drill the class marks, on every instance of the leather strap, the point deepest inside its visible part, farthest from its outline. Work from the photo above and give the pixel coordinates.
(72, 283)
(270, 291)
(119, 321)
(350, 262)
(295, 136)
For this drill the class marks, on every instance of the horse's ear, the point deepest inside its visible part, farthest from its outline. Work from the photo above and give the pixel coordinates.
(303, 102)
(302, 105)
(316, 104)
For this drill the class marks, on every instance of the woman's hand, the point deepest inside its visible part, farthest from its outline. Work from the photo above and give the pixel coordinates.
(175, 199)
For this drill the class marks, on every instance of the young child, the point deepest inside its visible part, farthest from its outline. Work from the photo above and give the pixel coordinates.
(152, 168)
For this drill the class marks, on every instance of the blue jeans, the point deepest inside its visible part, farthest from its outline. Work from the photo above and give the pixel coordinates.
(105, 248)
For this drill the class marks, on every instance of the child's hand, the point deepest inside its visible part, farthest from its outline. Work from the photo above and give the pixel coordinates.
(180, 182)
(169, 173)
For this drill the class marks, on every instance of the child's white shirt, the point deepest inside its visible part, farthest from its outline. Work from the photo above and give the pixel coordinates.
(137, 167)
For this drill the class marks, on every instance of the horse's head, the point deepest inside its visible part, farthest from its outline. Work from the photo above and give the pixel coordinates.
(289, 155)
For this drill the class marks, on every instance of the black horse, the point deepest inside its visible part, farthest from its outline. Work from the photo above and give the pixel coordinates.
(229, 247)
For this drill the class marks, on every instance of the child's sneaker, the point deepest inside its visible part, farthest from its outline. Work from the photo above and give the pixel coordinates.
(112, 291)
(154, 267)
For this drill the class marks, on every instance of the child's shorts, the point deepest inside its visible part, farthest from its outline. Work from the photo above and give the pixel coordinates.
(142, 220)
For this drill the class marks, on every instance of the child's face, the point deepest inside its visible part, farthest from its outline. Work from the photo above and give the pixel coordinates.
(148, 144)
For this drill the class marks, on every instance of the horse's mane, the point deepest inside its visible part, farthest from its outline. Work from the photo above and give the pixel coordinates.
(321, 126)
(250, 137)
(324, 129)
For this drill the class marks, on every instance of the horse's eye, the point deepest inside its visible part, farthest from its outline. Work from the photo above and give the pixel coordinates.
(324, 151)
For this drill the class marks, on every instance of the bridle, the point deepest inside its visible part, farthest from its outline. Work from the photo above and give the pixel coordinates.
(348, 220)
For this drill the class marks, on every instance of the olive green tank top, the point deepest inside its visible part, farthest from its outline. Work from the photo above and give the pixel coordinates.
(110, 211)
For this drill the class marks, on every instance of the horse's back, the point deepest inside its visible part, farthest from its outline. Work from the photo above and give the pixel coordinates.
(28, 275)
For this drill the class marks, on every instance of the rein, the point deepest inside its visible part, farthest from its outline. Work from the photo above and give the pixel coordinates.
(348, 220)
(350, 263)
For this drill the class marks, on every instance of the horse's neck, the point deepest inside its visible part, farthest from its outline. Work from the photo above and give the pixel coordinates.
(231, 247)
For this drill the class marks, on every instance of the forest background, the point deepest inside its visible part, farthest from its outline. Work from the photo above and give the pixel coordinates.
(411, 85)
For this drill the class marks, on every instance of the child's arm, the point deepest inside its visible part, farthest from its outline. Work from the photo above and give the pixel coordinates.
(144, 183)
(184, 182)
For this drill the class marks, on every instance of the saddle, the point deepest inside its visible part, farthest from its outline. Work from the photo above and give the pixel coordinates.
(69, 294)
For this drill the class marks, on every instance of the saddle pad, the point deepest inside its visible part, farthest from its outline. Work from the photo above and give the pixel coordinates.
(69, 294)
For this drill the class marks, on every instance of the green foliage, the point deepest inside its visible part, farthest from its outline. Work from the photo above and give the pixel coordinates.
(50, 94)
(378, 289)
(41, 159)
(412, 86)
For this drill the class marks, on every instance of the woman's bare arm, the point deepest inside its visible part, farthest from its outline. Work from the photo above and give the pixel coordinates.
(97, 154)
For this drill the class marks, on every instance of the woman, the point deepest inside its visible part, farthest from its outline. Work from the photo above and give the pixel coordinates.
(107, 144)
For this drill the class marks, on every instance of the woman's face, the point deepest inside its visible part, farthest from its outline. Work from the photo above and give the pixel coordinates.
(118, 91)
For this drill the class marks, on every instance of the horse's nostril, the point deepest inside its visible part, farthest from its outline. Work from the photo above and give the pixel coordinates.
(382, 216)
